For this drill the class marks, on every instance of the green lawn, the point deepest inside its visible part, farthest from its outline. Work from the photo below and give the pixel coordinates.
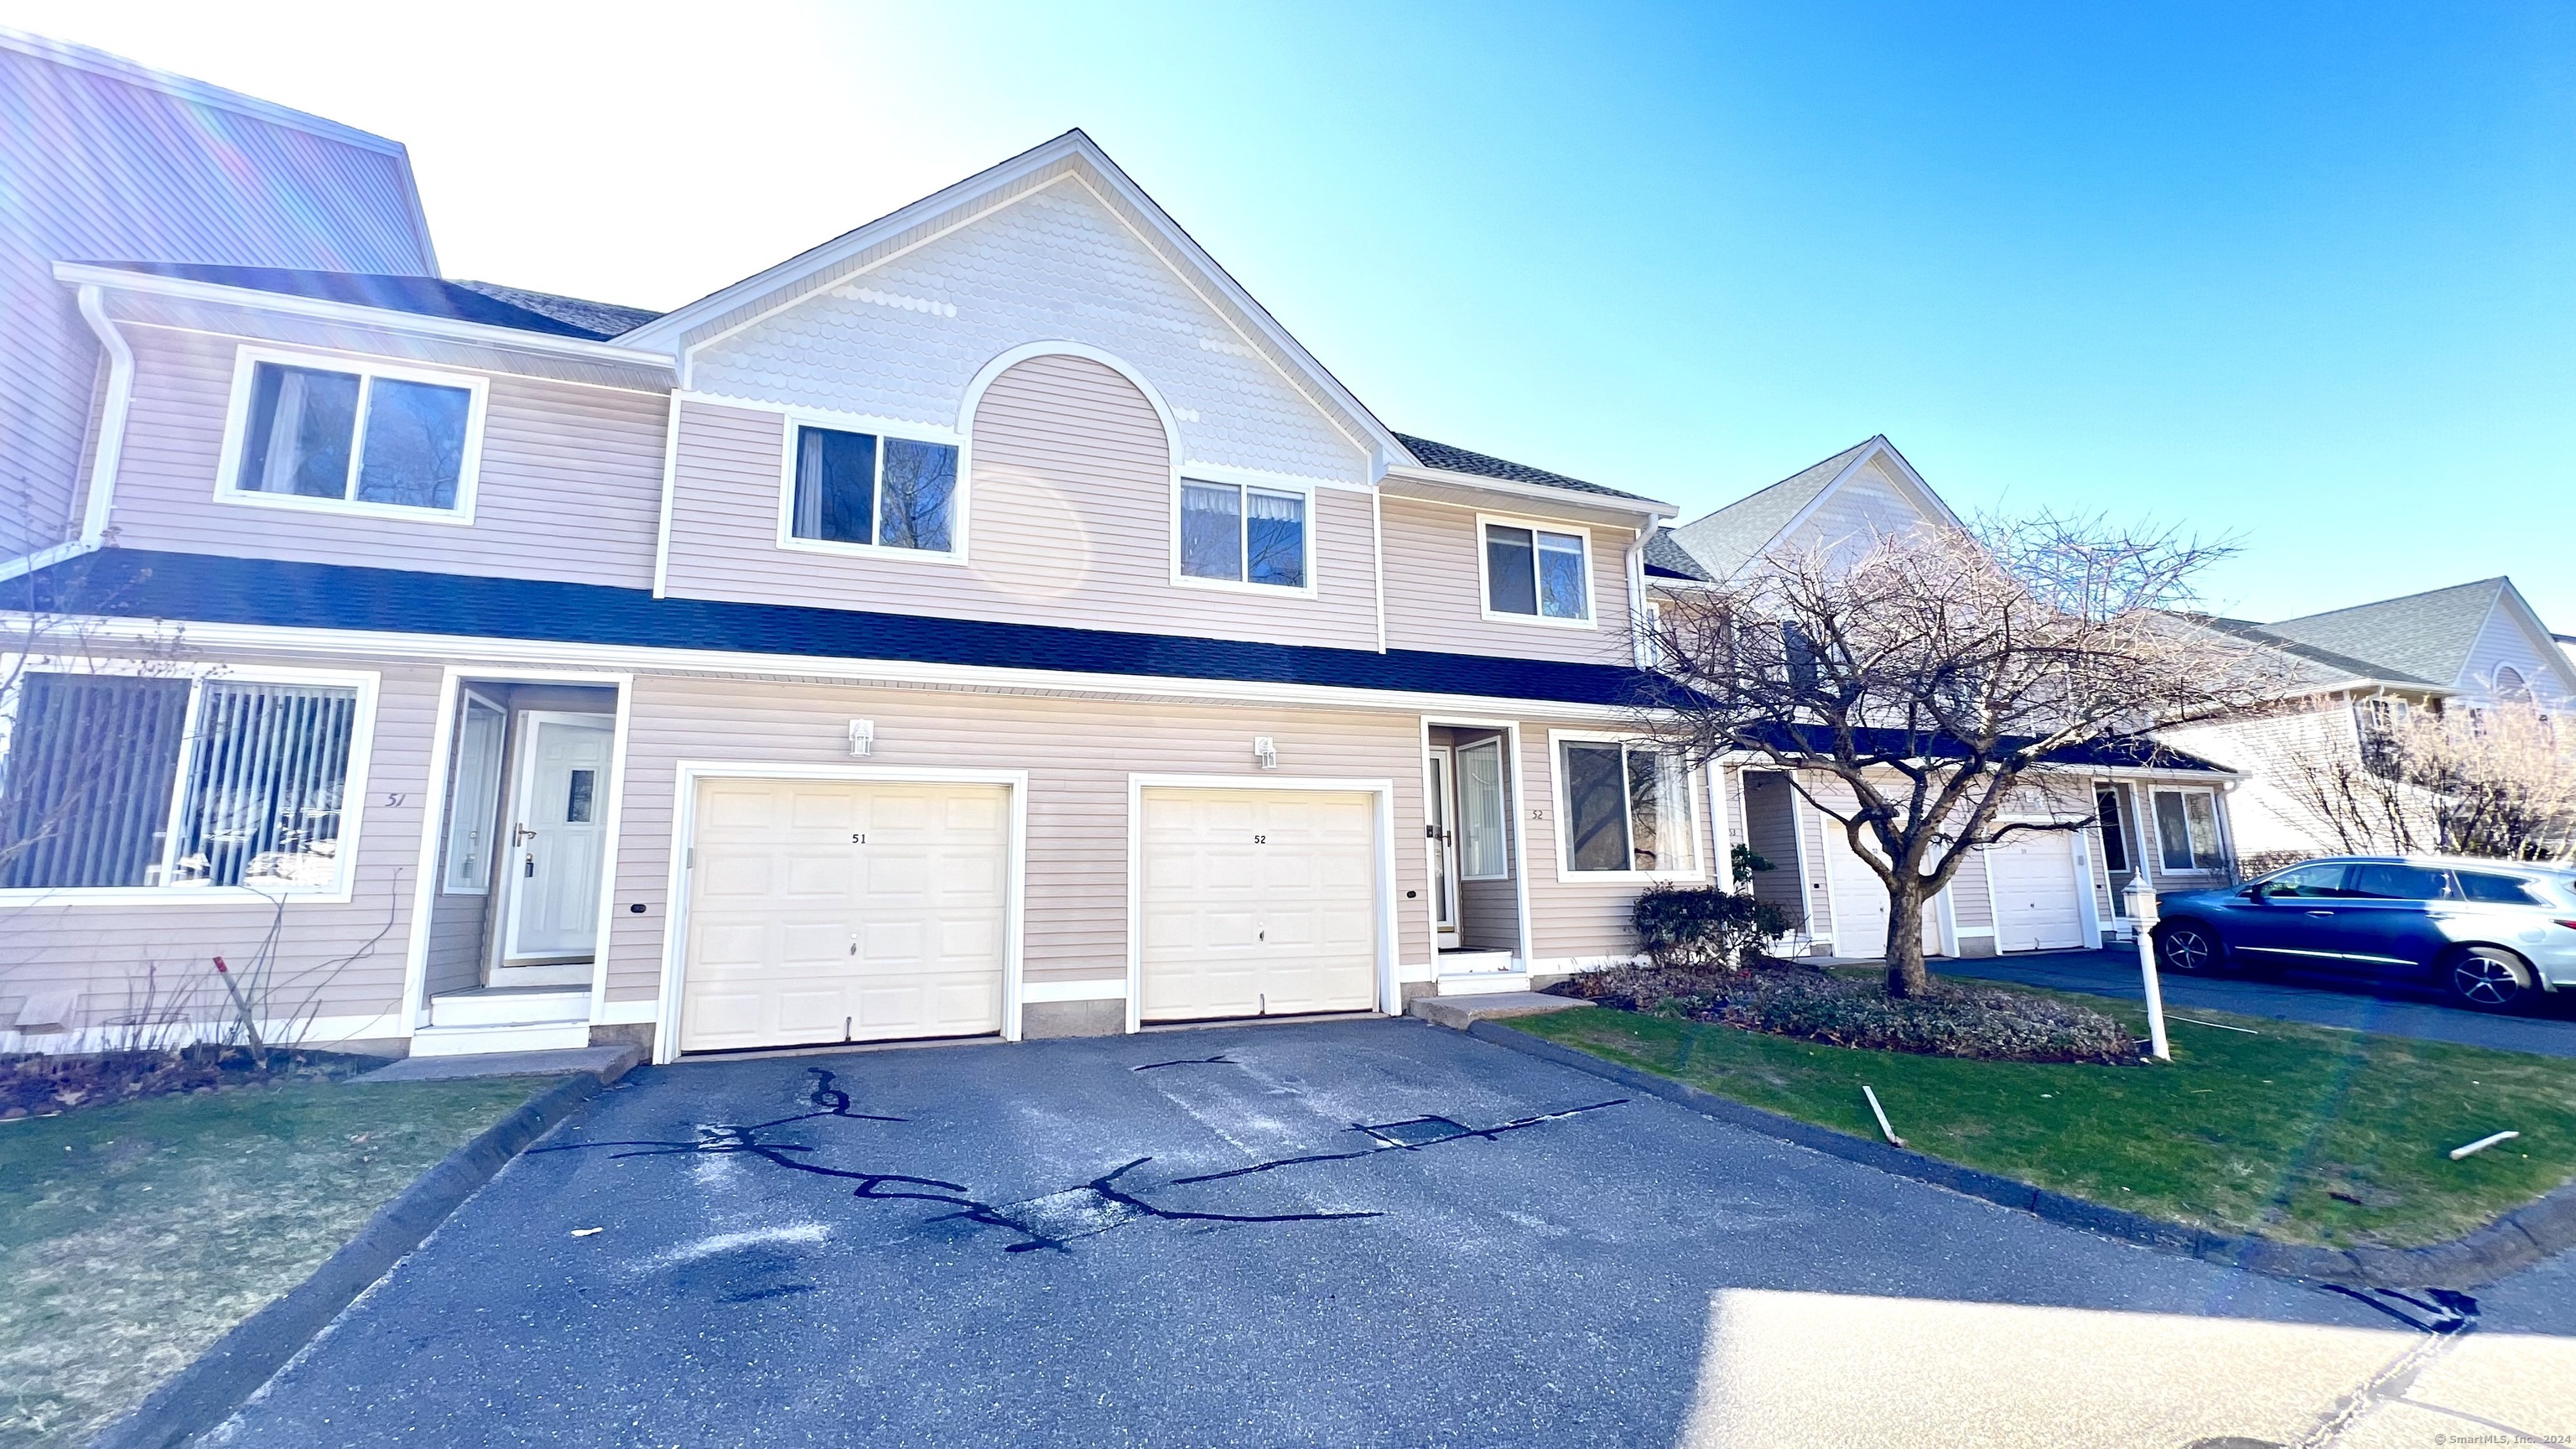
(2303, 1134)
(133, 1236)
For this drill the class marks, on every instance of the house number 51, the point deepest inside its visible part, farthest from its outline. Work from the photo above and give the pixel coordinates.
(858, 837)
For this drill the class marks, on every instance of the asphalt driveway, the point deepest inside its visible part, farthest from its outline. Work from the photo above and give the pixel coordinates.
(1359, 1233)
(2547, 1026)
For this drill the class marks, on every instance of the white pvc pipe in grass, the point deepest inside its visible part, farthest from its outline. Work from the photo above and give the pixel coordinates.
(2482, 1144)
(1881, 1113)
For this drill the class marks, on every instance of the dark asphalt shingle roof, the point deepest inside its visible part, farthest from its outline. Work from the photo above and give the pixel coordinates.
(1666, 558)
(201, 588)
(488, 303)
(2427, 636)
(1727, 540)
(1485, 465)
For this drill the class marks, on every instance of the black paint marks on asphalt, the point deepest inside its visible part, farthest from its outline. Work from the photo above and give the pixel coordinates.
(1386, 1143)
(1053, 1220)
(1219, 1060)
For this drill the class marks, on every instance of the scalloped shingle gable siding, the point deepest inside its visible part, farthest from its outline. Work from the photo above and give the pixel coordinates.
(905, 339)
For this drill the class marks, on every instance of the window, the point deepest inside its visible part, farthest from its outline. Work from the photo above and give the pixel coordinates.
(2324, 881)
(122, 781)
(1626, 809)
(1481, 844)
(1243, 535)
(2115, 828)
(2187, 830)
(873, 491)
(474, 799)
(1532, 571)
(2397, 883)
(319, 435)
(2502, 890)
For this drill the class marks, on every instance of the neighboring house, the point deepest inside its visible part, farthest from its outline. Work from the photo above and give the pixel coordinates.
(100, 157)
(2036, 890)
(990, 621)
(2465, 646)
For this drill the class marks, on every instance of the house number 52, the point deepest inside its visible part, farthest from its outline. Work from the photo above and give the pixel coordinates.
(1261, 840)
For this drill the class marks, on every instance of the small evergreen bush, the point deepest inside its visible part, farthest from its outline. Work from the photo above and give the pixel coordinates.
(1697, 927)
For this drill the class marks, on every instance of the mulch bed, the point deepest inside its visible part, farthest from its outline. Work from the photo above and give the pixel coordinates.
(1784, 999)
(38, 1086)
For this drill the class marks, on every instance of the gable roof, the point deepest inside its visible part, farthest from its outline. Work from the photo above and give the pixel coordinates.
(1485, 465)
(2425, 636)
(486, 303)
(1667, 559)
(2312, 665)
(1735, 535)
(836, 261)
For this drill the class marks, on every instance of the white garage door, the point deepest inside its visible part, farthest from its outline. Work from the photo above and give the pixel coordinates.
(2035, 885)
(1859, 900)
(1257, 903)
(836, 910)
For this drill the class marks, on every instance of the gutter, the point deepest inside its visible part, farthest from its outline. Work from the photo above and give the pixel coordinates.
(91, 278)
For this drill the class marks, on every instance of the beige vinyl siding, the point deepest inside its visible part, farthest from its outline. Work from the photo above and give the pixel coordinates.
(1972, 902)
(1775, 840)
(1488, 915)
(1068, 520)
(2502, 643)
(456, 941)
(1079, 754)
(332, 959)
(1435, 582)
(570, 484)
(1579, 919)
(1864, 508)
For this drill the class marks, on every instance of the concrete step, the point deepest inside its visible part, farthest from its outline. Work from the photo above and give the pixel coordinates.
(608, 1062)
(509, 1006)
(467, 1041)
(1462, 1012)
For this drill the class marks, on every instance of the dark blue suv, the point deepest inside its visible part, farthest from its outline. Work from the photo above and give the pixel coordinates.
(2488, 932)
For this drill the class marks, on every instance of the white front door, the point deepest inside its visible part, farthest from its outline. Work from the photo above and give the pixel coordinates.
(1256, 903)
(558, 838)
(1440, 805)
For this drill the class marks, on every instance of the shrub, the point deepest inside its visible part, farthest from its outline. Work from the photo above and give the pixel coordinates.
(1689, 927)
(1953, 1021)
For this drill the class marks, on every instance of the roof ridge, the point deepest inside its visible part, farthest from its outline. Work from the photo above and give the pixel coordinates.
(2500, 580)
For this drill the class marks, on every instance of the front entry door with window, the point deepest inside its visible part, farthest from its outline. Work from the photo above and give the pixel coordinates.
(558, 838)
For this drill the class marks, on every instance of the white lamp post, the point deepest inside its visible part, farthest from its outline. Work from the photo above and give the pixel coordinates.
(2141, 900)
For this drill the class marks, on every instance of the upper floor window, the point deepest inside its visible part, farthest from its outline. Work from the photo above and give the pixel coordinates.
(1243, 534)
(313, 432)
(1537, 573)
(139, 781)
(872, 490)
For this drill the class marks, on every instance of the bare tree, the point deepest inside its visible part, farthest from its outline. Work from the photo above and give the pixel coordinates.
(2495, 779)
(1934, 673)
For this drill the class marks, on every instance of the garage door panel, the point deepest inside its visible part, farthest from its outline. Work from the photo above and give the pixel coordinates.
(1256, 901)
(782, 892)
(2037, 893)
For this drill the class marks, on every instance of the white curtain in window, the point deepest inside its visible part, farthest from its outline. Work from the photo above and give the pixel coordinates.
(1481, 844)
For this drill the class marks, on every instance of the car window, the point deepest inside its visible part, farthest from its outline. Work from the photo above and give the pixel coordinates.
(2500, 889)
(2398, 883)
(2307, 880)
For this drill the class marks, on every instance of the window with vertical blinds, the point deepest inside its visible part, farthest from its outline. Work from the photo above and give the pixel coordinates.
(118, 781)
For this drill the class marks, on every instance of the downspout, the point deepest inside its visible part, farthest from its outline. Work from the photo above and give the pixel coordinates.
(1637, 596)
(111, 446)
(111, 421)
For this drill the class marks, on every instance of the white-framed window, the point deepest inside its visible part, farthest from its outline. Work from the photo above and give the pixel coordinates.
(327, 433)
(2187, 829)
(864, 489)
(1484, 841)
(142, 786)
(474, 799)
(1624, 810)
(1535, 572)
(1251, 534)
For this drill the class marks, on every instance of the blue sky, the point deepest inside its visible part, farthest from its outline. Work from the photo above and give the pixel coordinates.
(2300, 275)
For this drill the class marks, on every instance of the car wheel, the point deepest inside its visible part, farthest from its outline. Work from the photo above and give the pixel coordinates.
(2189, 946)
(2484, 978)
